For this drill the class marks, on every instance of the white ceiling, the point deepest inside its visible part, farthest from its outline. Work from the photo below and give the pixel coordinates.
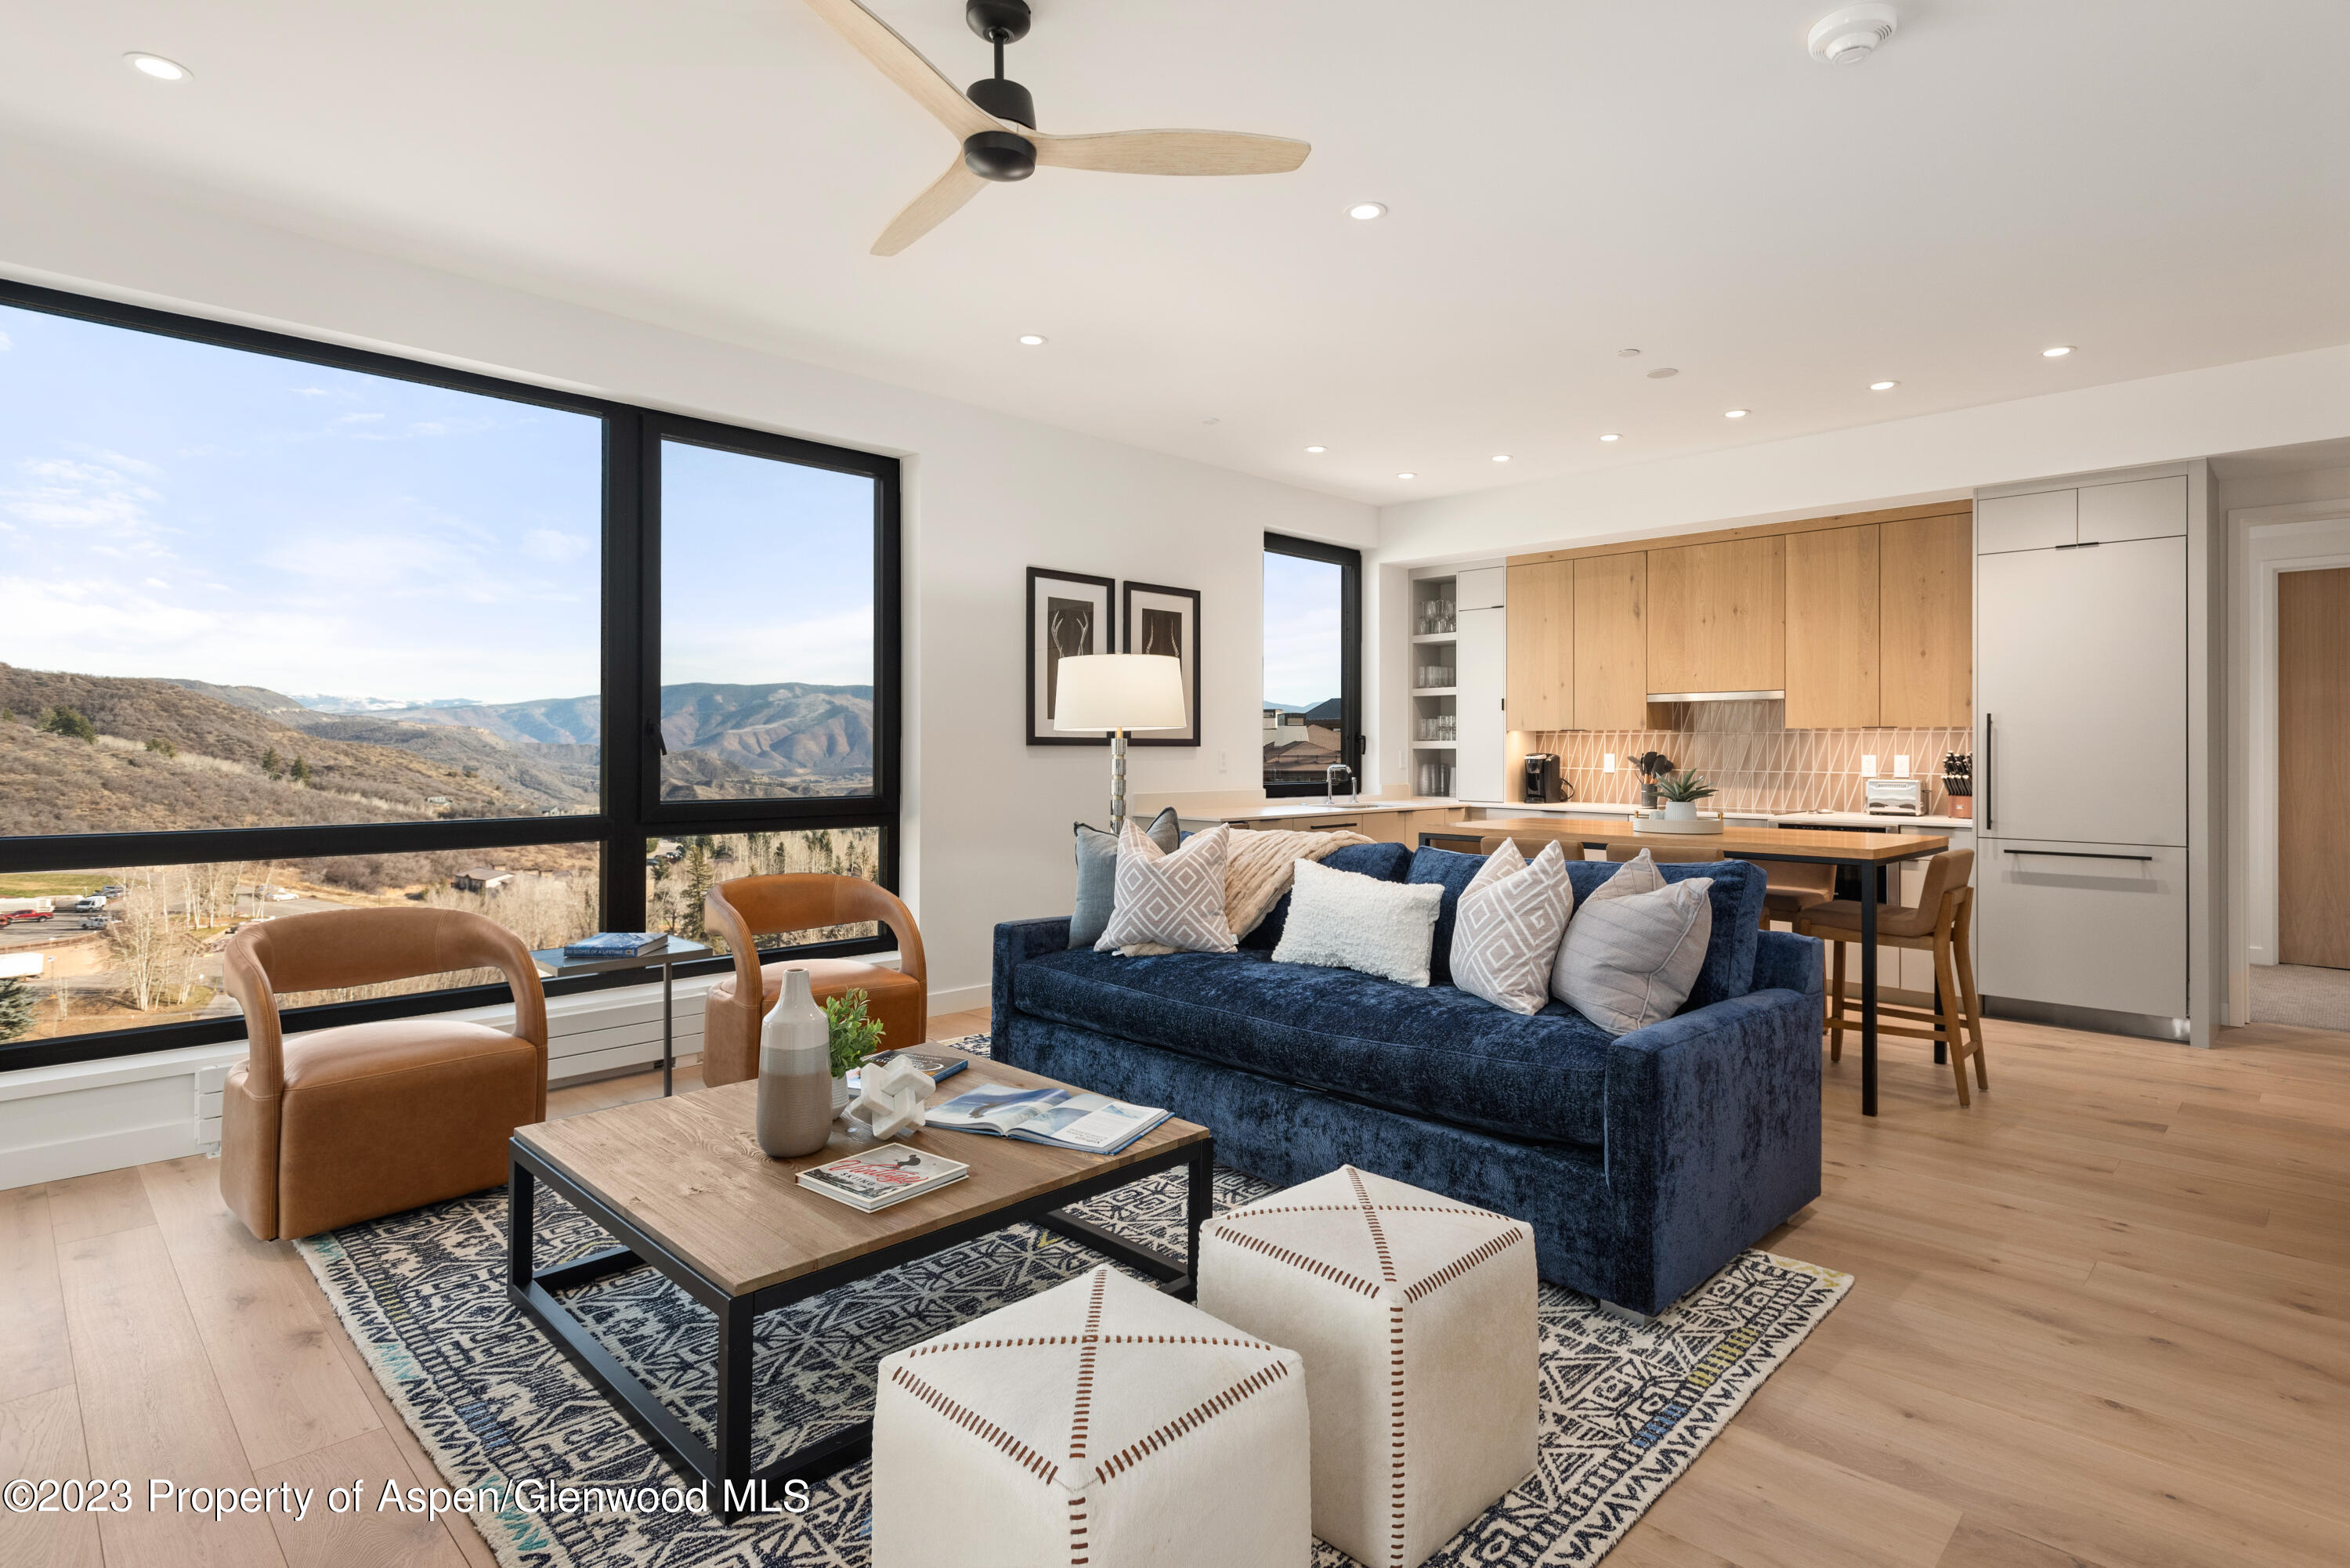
(1565, 179)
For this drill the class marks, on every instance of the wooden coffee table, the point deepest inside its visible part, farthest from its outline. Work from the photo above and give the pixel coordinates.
(682, 1185)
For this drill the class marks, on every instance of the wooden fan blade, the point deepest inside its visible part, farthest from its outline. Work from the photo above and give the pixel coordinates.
(928, 211)
(1171, 152)
(903, 64)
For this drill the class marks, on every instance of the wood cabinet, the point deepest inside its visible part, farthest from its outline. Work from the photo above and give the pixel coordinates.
(1926, 599)
(1832, 630)
(1611, 641)
(1717, 617)
(1541, 681)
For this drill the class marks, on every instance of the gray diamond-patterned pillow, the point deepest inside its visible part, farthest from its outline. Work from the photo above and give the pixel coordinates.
(1506, 933)
(1175, 901)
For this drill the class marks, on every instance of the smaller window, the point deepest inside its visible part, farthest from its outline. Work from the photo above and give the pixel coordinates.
(1312, 665)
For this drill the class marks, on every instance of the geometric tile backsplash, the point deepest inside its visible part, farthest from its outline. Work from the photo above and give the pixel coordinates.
(1747, 752)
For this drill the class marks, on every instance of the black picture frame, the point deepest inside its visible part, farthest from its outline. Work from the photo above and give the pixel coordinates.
(1051, 640)
(1143, 629)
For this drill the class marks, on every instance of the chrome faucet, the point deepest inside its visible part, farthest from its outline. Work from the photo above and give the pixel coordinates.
(1330, 784)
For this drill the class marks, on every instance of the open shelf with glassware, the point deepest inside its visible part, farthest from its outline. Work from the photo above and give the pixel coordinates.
(1435, 676)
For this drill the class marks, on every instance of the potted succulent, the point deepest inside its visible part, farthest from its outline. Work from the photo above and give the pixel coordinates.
(1681, 792)
(855, 1036)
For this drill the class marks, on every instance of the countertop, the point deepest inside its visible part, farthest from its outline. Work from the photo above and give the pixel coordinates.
(1783, 818)
(1312, 805)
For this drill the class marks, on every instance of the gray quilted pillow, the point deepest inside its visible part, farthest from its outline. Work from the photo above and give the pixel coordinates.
(1634, 949)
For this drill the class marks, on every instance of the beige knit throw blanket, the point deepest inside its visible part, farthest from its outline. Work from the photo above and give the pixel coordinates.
(1259, 871)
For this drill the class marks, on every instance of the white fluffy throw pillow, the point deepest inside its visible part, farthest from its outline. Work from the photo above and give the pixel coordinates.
(1344, 919)
(1633, 951)
(1506, 932)
(1173, 901)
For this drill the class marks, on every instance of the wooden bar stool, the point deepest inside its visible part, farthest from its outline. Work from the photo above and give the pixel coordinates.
(1941, 923)
(1793, 888)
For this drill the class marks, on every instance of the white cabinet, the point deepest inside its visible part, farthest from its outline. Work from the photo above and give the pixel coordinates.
(2139, 509)
(2080, 665)
(1483, 589)
(2036, 522)
(2098, 926)
(1483, 657)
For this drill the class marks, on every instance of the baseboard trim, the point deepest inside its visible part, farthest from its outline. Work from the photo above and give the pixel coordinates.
(2095, 1019)
(962, 998)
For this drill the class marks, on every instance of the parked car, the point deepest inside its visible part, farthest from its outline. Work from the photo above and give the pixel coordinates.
(114, 889)
(99, 922)
(27, 915)
(95, 901)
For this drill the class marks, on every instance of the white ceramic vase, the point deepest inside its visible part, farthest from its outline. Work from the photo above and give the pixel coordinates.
(1680, 811)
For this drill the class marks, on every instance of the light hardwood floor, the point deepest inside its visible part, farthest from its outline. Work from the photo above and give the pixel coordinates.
(2101, 1319)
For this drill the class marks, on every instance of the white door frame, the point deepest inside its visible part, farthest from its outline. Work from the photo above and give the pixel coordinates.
(2306, 536)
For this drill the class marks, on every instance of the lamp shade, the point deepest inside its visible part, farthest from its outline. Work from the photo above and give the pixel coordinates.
(1119, 692)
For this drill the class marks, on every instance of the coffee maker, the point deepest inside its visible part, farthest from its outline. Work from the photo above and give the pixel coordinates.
(1544, 782)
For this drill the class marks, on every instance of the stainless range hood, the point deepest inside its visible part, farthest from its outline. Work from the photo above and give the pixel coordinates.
(1718, 696)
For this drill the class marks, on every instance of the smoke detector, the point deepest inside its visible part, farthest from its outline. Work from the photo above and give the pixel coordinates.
(1850, 35)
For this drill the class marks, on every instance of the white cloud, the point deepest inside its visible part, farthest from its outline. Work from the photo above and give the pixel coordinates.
(357, 418)
(553, 545)
(64, 493)
(4, 344)
(833, 650)
(156, 583)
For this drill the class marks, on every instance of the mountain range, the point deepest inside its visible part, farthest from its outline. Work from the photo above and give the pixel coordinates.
(447, 758)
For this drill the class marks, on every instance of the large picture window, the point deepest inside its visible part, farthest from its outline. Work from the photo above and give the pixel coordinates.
(286, 628)
(1312, 664)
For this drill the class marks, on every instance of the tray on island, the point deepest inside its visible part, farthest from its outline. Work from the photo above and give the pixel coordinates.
(1700, 824)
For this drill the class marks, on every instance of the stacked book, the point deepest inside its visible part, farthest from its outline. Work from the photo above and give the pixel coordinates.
(615, 945)
(890, 1174)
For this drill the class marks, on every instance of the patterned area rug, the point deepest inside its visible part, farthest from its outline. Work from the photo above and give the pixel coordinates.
(1624, 1409)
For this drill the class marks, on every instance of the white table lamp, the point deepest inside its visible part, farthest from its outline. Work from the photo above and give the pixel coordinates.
(1118, 692)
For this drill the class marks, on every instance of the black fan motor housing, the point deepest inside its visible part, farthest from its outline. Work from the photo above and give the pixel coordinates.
(1006, 100)
(990, 18)
(999, 155)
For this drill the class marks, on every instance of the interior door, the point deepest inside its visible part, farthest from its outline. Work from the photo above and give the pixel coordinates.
(2313, 758)
(2083, 662)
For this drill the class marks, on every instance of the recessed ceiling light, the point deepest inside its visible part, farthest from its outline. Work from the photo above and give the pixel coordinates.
(1030, 340)
(1317, 449)
(2056, 353)
(1660, 375)
(1611, 435)
(1367, 211)
(1210, 419)
(1628, 353)
(1882, 385)
(156, 66)
(1736, 413)
(1407, 476)
(1500, 457)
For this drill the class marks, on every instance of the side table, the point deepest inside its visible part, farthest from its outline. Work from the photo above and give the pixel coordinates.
(553, 965)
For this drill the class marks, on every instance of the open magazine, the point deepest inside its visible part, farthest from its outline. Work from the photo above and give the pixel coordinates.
(1064, 1119)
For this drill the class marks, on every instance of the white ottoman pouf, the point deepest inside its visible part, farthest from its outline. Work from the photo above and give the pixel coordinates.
(1415, 1316)
(1099, 1423)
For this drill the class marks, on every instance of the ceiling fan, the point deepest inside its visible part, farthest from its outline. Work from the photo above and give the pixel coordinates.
(997, 122)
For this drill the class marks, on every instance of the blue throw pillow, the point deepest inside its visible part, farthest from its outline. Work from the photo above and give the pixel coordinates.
(1098, 875)
(1384, 861)
(1453, 872)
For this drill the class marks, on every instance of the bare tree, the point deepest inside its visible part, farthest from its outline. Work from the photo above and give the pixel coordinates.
(151, 950)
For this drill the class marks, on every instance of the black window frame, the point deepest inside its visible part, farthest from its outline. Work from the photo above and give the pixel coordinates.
(631, 810)
(1349, 563)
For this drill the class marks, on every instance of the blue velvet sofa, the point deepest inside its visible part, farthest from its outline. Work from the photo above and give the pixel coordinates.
(1644, 1162)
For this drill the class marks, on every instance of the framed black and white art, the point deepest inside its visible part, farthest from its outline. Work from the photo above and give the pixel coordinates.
(1069, 612)
(1166, 621)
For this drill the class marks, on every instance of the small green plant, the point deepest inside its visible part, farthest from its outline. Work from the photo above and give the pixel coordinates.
(269, 762)
(15, 1009)
(300, 774)
(855, 1036)
(71, 725)
(161, 747)
(1684, 787)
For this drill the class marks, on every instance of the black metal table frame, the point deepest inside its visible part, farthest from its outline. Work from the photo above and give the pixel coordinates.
(1868, 901)
(553, 965)
(533, 1291)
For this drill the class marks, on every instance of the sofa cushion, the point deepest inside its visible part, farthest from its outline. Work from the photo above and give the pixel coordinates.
(1387, 862)
(1434, 1052)
(1736, 896)
(1097, 874)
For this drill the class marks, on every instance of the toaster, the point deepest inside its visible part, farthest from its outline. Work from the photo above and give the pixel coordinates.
(1894, 798)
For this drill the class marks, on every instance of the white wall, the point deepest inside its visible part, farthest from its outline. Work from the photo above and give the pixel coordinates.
(2282, 401)
(986, 497)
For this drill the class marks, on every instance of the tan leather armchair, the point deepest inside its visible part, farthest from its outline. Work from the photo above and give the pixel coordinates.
(751, 907)
(338, 1126)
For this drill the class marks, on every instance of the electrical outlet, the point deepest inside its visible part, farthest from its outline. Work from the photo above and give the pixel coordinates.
(1223, 761)
(1868, 765)
(1901, 766)
(1607, 763)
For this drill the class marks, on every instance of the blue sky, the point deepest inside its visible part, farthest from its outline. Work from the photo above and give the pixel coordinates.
(170, 508)
(1301, 629)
